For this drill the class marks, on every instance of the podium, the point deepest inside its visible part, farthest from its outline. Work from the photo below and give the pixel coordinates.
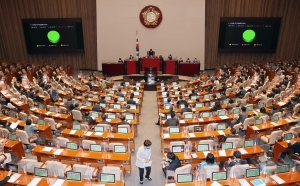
(150, 74)
(131, 67)
(150, 62)
(170, 67)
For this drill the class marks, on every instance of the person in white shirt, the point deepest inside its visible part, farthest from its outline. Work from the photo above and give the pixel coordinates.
(143, 160)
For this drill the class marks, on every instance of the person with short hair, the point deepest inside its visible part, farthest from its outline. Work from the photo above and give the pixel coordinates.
(87, 118)
(143, 159)
(102, 99)
(172, 121)
(294, 146)
(262, 112)
(181, 100)
(103, 117)
(186, 108)
(131, 101)
(171, 163)
(232, 134)
(241, 117)
(236, 160)
(210, 160)
(120, 93)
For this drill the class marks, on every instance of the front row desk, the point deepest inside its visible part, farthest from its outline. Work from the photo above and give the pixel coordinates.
(135, 67)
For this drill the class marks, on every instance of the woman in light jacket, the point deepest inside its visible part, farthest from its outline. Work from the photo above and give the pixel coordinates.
(143, 160)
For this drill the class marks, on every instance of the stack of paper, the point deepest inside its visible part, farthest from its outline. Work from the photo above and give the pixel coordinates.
(88, 133)
(243, 182)
(58, 151)
(255, 128)
(98, 133)
(72, 132)
(35, 182)
(277, 179)
(243, 151)
(221, 132)
(181, 121)
(192, 135)
(14, 177)
(58, 182)
(166, 136)
(223, 117)
(47, 149)
(222, 153)
(273, 123)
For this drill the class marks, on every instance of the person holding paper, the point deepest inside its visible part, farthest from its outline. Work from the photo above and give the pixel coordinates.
(2, 182)
(143, 160)
(171, 163)
(236, 160)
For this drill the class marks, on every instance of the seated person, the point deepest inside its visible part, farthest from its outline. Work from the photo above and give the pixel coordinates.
(236, 160)
(103, 119)
(76, 106)
(170, 111)
(295, 148)
(262, 112)
(96, 107)
(131, 57)
(119, 93)
(232, 134)
(263, 97)
(267, 159)
(195, 60)
(131, 101)
(88, 119)
(181, 100)
(120, 60)
(188, 60)
(150, 53)
(69, 104)
(186, 109)
(172, 121)
(217, 106)
(5, 125)
(180, 60)
(241, 93)
(123, 121)
(168, 102)
(193, 94)
(231, 104)
(273, 110)
(171, 163)
(5, 180)
(170, 57)
(102, 100)
(30, 129)
(272, 93)
(241, 117)
(210, 160)
(223, 88)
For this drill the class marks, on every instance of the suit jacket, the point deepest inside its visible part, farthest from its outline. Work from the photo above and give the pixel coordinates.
(179, 102)
(232, 163)
(69, 105)
(90, 85)
(271, 95)
(241, 93)
(96, 108)
(30, 95)
(102, 101)
(131, 101)
(172, 122)
(174, 164)
(88, 119)
(30, 129)
(120, 94)
(53, 94)
(186, 109)
(295, 147)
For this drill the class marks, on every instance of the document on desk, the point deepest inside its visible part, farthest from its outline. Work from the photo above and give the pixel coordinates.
(221, 132)
(47, 113)
(223, 117)
(181, 121)
(222, 152)
(273, 123)
(170, 184)
(47, 149)
(13, 125)
(255, 128)
(215, 184)
(193, 109)
(110, 110)
(58, 182)
(35, 182)
(288, 120)
(72, 132)
(58, 151)
(243, 151)
(108, 120)
(281, 103)
(167, 135)
(277, 179)
(200, 119)
(98, 133)
(14, 177)
(243, 182)
(192, 135)
(88, 133)
(57, 115)
(6, 118)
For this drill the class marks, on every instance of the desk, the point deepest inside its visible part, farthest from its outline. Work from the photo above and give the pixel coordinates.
(25, 179)
(150, 62)
(279, 147)
(170, 67)
(188, 68)
(131, 67)
(262, 128)
(15, 148)
(126, 139)
(113, 69)
(97, 159)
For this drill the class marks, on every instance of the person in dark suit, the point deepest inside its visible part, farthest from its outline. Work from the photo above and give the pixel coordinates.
(188, 60)
(29, 128)
(30, 93)
(241, 93)
(186, 108)
(123, 121)
(87, 118)
(131, 57)
(171, 163)
(19, 77)
(277, 89)
(151, 53)
(69, 104)
(90, 84)
(242, 116)
(102, 100)
(17, 86)
(272, 93)
(170, 57)
(104, 119)
(96, 107)
(217, 106)
(193, 94)
(76, 107)
(120, 60)
(131, 101)
(172, 121)
(119, 93)
(180, 60)
(277, 69)
(181, 101)
(53, 94)
(223, 88)
(236, 160)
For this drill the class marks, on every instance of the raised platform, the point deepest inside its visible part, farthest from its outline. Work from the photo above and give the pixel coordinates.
(152, 86)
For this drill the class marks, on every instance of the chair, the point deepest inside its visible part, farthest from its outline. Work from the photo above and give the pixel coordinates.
(4, 132)
(46, 94)
(111, 146)
(248, 121)
(295, 129)
(21, 114)
(62, 109)
(238, 171)
(77, 115)
(236, 142)
(279, 114)
(57, 167)
(54, 126)
(34, 118)
(91, 172)
(269, 102)
(29, 164)
(209, 169)
(228, 91)
(211, 143)
(113, 170)
(30, 103)
(270, 139)
(62, 141)
(264, 118)
(296, 108)
(237, 127)
(211, 126)
(86, 144)
(246, 97)
(84, 127)
(26, 140)
(125, 126)
(181, 170)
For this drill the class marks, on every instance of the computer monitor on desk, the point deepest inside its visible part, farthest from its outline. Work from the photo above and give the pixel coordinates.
(185, 178)
(119, 149)
(288, 136)
(98, 129)
(103, 105)
(95, 148)
(227, 145)
(188, 115)
(202, 147)
(253, 172)
(258, 121)
(74, 176)
(221, 126)
(12, 137)
(24, 118)
(248, 143)
(249, 108)
(132, 107)
(193, 97)
(173, 130)
(199, 105)
(275, 118)
(205, 114)
(123, 130)
(107, 178)
(111, 116)
(177, 148)
(95, 115)
(117, 106)
(76, 127)
(41, 172)
(72, 146)
(236, 110)
(129, 117)
(219, 176)
(221, 112)
(283, 168)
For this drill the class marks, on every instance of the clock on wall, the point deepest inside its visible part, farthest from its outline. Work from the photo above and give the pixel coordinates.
(150, 16)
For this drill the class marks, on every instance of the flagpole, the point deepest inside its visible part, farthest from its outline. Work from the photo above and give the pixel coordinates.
(137, 47)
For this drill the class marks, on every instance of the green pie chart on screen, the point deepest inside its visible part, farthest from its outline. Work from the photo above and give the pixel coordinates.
(53, 36)
(248, 36)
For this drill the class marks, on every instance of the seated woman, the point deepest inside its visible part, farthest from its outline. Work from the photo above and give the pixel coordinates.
(210, 160)
(171, 163)
(262, 112)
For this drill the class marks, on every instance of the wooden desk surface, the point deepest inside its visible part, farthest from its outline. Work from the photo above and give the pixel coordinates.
(50, 114)
(203, 134)
(80, 133)
(212, 119)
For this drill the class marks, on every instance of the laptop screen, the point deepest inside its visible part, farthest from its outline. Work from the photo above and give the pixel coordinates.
(76, 127)
(129, 117)
(121, 99)
(254, 172)
(167, 107)
(111, 92)
(206, 96)
(218, 176)
(40, 122)
(72, 146)
(177, 148)
(123, 130)
(199, 105)
(120, 149)
(95, 148)
(95, 97)
(248, 143)
(174, 130)
(260, 105)
(41, 106)
(52, 109)
(185, 178)
(287, 136)
(103, 105)
(221, 112)
(137, 84)
(127, 83)
(225, 101)
(111, 116)
(193, 97)
(107, 178)
(188, 116)
(283, 168)
(189, 91)
(218, 94)
(12, 137)
(236, 110)
(212, 103)
(205, 114)
(24, 118)
(258, 121)
(227, 145)
(182, 106)
(132, 107)
(107, 98)
(95, 115)
(99, 129)
(117, 106)
(275, 118)
(88, 103)
(249, 108)
(221, 126)
(13, 167)
(75, 176)
(202, 147)
(41, 172)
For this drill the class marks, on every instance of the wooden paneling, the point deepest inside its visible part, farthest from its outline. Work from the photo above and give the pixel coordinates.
(12, 42)
(289, 38)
